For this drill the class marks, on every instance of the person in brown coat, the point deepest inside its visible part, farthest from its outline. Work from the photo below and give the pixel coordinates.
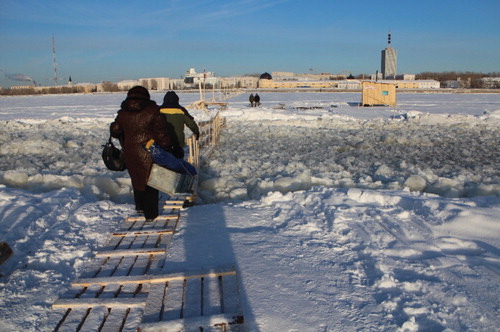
(138, 121)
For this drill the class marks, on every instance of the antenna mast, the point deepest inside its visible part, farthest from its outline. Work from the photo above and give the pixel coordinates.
(54, 57)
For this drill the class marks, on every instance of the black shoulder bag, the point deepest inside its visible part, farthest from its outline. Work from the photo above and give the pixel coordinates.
(113, 157)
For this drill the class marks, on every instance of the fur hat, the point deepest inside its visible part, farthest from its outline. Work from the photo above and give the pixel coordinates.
(138, 92)
(171, 99)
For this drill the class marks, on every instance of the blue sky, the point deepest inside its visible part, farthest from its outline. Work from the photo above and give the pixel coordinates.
(112, 40)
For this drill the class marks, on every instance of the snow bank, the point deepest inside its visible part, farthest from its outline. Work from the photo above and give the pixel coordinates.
(455, 158)
(304, 144)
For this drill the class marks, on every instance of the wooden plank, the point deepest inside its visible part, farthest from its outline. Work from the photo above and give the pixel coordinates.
(91, 291)
(115, 320)
(92, 268)
(96, 302)
(141, 266)
(211, 296)
(160, 217)
(130, 252)
(123, 269)
(73, 321)
(143, 232)
(142, 279)
(137, 242)
(175, 201)
(134, 222)
(173, 300)
(154, 303)
(156, 262)
(133, 320)
(96, 317)
(192, 299)
(171, 208)
(112, 243)
(109, 267)
(124, 243)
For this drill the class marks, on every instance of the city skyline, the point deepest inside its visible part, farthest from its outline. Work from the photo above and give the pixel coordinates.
(112, 40)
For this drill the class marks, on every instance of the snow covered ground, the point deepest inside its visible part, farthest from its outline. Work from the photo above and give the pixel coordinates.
(337, 218)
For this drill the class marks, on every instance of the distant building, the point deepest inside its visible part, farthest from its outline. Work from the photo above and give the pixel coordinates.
(413, 84)
(428, 84)
(451, 84)
(294, 84)
(265, 76)
(389, 60)
(192, 79)
(237, 82)
(157, 83)
(285, 75)
(405, 77)
(349, 84)
(490, 82)
(127, 84)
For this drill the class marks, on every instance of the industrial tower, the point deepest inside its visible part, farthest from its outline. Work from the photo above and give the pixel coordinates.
(389, 60)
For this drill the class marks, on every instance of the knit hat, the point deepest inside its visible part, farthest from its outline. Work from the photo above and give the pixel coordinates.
(171, 99)
(138, 92)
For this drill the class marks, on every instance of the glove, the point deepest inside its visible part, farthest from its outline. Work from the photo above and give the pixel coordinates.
(197, 135)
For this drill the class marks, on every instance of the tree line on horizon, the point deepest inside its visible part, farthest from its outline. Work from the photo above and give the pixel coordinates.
(473, 78)
(468, 79)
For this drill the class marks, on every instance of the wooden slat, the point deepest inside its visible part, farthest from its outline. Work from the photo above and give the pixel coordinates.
(160, 217)
(129, 252)
(143, 232)
(192, 299)
(109, 267)
(73, 320)
(154, 303)
(91, 291)
(95, 318)
(122, 269)
(173, 201)
(173, 300)
(172, 207)
(92, 268)
(143, 279)
(133, 320)
(115, 320)
(211, 296)
(96, 302)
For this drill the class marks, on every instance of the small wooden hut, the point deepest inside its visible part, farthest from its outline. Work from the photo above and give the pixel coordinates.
(377, 94)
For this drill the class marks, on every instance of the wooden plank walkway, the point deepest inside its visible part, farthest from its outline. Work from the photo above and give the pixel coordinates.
(123, 288)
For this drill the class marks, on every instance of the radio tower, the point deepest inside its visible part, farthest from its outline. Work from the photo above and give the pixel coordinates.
(54, 57)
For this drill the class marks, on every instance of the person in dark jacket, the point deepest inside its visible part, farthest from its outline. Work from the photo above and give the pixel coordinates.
(178, 117)
(251, 99)
(138, 121)
(257, 99)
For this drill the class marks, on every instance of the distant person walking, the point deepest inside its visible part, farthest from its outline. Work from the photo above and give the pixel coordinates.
(251, 99)
(178, 117)
(138, 121)
(257, 99)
